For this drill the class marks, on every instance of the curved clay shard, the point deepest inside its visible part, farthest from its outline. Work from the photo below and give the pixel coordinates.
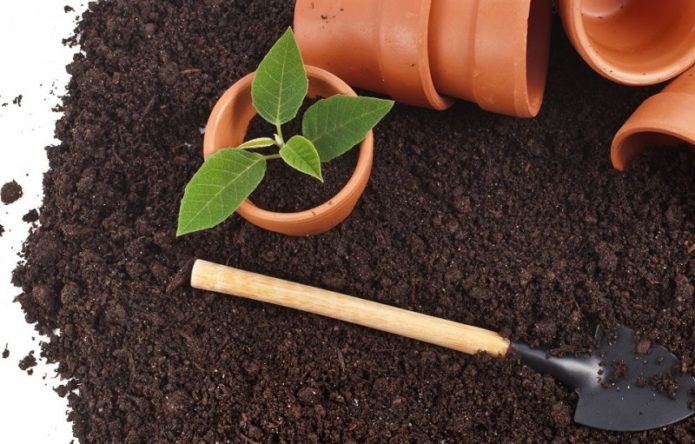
(665, 119)
(633, 42)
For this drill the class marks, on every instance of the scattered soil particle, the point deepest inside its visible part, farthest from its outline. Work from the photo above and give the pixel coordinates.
(68, 8)
(181, 278)
(498, 222)
(561, 414)
(28, 361)
(618, 371)
(684, 289)
(6, 352)
(31, 217)
(643, 346)
(308, 396)
(18, 100)
(2, 230)
(11, 192)
(62, 391)
(664, 383)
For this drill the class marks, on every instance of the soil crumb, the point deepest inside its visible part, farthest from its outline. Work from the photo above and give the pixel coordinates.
(11, 192)
(2, 230)
(18, 100)
(28, 361)
(31, 217)
(6, 352)
(664, 383)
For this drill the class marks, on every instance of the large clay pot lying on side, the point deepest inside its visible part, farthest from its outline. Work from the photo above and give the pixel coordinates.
(227, 127)
(492, 52)
(633, 42)
(665, 119)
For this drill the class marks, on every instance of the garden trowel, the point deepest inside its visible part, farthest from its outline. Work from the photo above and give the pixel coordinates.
(624, 386)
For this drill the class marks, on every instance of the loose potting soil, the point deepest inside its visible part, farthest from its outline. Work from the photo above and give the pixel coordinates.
(11, 192)
(515, 225)
(31, 216)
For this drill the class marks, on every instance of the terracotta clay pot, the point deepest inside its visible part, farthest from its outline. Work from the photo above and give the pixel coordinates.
(492, 52)
(227, 127)
(665, 119)
(633, 42)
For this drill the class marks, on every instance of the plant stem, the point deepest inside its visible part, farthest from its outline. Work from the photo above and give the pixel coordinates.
(279, 134)
(272, 156)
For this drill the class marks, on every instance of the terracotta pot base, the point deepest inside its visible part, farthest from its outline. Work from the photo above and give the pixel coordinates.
(665, 119)
(227, 127)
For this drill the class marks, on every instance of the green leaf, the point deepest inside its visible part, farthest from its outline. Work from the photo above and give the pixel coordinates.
(338, 123)
(300, 154)
(219, 187)
(281, 83)
(261, 142)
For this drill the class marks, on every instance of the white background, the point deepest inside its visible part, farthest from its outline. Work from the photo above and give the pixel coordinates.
(32, 63)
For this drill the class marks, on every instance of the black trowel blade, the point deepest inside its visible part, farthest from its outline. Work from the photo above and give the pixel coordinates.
(629, 402)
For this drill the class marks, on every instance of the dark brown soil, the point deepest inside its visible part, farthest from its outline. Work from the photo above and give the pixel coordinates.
(31, 216)
(28, 361)
(11, 192)
(6, 352)
(516, 225)
(2, 230)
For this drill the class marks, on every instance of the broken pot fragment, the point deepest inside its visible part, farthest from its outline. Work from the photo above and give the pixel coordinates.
(665, 119)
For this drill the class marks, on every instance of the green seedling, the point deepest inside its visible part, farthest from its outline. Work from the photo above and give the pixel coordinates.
(331, 127)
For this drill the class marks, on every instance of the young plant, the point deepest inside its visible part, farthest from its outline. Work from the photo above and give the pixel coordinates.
(331, 127)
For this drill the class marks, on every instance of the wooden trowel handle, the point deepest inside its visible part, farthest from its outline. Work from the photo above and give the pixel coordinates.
(461, 337)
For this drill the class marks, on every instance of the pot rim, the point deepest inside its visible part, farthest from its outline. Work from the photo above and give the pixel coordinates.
(324, 216)
(574, 25)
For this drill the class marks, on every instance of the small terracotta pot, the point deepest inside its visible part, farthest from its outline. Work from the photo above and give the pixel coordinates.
(379, 45)
(492, 52)
(227, 127)
(665, 119)
(633, 42)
